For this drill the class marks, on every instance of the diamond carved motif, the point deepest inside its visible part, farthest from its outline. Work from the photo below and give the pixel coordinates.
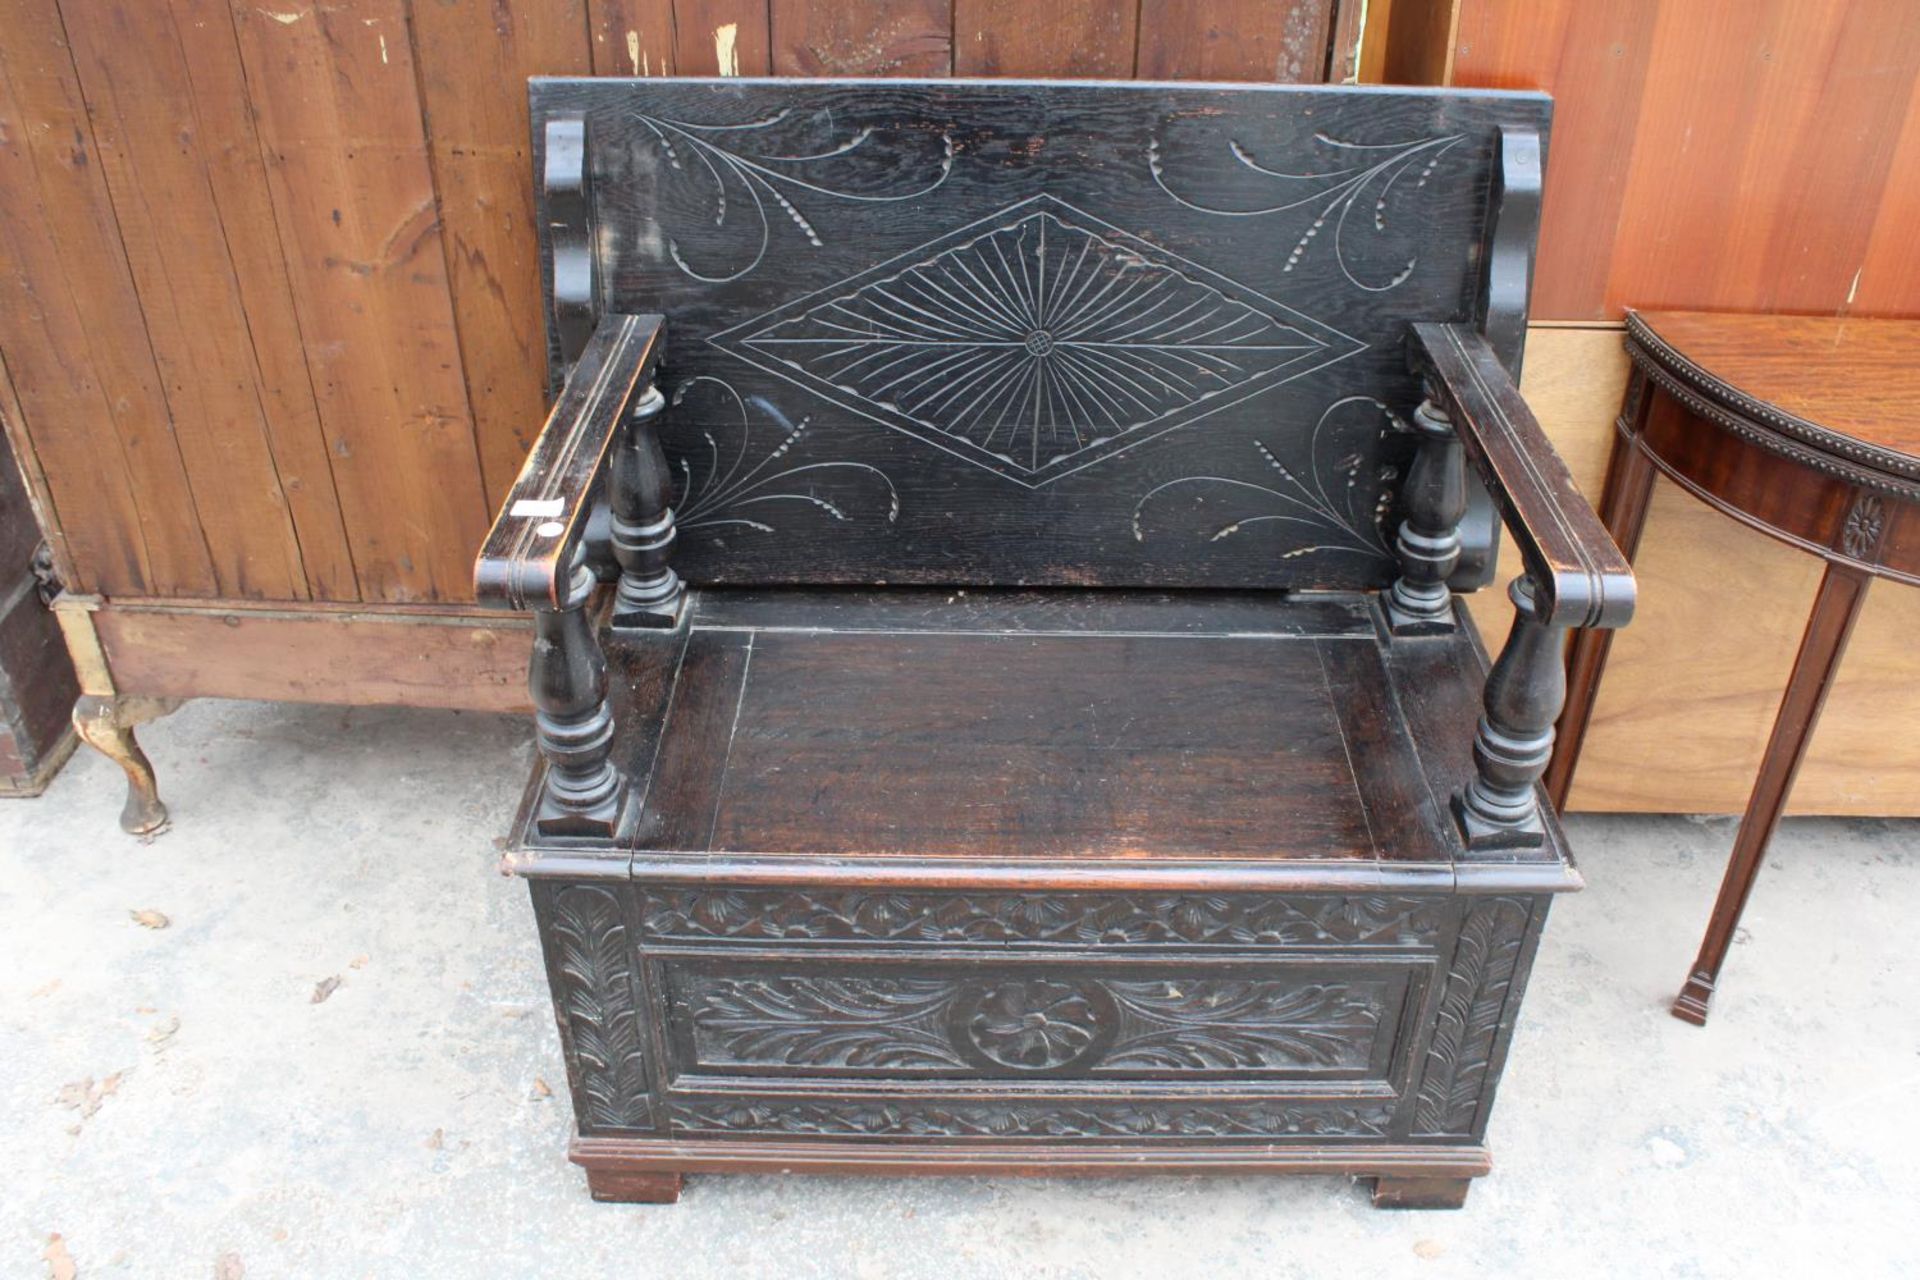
(1037, 342)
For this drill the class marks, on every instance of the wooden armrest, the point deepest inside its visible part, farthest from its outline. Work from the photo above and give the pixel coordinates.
(1580, 577)
(527, 558)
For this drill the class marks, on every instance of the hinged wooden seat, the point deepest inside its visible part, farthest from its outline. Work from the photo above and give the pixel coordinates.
(1152, 734)
(1029, 724)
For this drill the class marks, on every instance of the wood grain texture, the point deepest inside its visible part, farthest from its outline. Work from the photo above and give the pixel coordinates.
(1716, 154)
(721, 38)
(340, 123)
(1069, 725)
(1860, 379)
(338, 655)
(482, 156)
(884, 38)
(139, 87)
(1283, 40)
(70, 321)
(236, 172)
(632, 37)
(1091, 39)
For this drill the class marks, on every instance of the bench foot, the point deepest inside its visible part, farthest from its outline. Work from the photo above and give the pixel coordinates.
(107, 723)
(1420, 1193)
(621, 1186)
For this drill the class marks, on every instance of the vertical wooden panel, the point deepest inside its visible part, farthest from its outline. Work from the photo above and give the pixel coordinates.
(1727, 154)
(632, 37)
(1593, 58)
(884, 38)
(1283, 40)
(340, 122)
(1090, 38)
(1835, 176)
(474, 58)
(1888, 282)
(1418, 36)
(721, 38)
(237, 175)
(71, 326)
(140, 98)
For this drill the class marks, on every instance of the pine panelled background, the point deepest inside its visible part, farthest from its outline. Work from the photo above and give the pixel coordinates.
(269, 306)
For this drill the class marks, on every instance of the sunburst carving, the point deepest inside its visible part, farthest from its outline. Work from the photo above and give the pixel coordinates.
(1037, 342)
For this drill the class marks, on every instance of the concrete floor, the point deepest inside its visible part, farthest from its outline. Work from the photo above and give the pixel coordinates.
(179, 1102)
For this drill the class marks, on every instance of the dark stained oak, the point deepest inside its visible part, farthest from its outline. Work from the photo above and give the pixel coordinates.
(975, 809)
(953, 331)
(985, 741)
(527, 557)
(1804, 428)
(1583, 578)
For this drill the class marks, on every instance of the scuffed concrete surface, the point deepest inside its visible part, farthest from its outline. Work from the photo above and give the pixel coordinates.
(402, 1125)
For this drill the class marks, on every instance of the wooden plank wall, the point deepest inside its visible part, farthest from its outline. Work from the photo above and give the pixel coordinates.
(268, 298)
(1746, 155)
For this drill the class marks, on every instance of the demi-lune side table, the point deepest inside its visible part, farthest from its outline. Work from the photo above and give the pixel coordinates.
(1806, 428)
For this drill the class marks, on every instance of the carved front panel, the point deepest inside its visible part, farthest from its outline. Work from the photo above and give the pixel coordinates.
(1274, 1023)
(777, 1012)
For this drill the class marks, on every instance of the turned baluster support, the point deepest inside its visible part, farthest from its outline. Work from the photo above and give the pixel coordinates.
(1428, 545)
(573, 723)
(1500, 807)
(640, 497)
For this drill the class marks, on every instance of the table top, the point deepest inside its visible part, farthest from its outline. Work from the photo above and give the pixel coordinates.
(1850, 386)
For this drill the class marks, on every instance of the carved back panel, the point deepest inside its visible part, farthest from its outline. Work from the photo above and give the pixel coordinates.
(1008, 333)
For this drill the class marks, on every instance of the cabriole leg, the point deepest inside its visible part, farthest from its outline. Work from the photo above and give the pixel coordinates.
(1428, 544)
(107, 724)
(639, 494)
(572, 720)
(1500, 807)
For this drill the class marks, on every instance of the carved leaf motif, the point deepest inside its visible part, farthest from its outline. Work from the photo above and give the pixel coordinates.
(1461, 1051)
(1075, 919)
(1229, 1025)
(1036, 1120)
(862, 1022)
(719, 179)
(1333, 500)
(596, 979)
(1359, 178)
(1029, 1024)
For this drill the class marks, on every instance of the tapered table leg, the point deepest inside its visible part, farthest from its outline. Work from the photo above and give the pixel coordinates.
(1835, 608)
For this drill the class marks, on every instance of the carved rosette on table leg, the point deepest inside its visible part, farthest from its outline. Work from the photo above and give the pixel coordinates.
(573, 722)
(1500, 807)
(1428, 546)
(650, 592)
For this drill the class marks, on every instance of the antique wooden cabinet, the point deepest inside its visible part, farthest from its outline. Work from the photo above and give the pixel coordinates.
(1030, 726)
